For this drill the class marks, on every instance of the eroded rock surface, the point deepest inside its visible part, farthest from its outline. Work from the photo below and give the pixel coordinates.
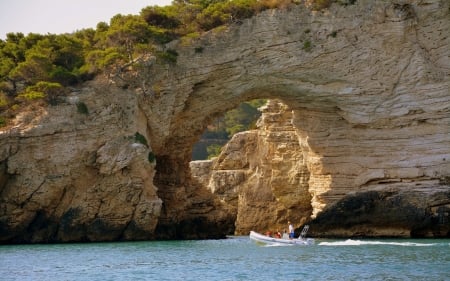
(367, 86)
(387, 213)
(264, 180)
(71, 176)
(261, 174)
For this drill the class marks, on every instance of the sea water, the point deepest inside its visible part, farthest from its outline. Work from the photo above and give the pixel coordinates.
(235, 258)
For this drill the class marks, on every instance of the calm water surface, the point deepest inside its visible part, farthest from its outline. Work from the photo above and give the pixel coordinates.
(236, 258)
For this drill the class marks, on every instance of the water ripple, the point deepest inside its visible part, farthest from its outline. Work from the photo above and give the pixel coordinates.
(232, 259)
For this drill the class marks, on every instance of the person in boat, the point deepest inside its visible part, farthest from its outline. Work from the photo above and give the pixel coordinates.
(278, 234)
(291, 230)
(285, 235)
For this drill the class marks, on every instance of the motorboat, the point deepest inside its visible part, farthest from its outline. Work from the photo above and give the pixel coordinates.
(269, 240)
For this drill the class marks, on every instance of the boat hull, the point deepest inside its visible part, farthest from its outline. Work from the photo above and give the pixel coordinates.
(264, 239)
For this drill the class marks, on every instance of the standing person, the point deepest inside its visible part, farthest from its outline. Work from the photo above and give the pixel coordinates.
(291, 230)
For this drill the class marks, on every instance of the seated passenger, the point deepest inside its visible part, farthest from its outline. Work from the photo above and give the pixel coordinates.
(277, 234)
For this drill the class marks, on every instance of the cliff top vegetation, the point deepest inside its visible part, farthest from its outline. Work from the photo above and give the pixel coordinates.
(38, 69)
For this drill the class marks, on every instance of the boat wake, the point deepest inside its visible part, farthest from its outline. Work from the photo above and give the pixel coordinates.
(278, 245)
(351, 242)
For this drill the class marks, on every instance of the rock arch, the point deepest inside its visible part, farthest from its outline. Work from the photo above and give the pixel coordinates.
(367, 87)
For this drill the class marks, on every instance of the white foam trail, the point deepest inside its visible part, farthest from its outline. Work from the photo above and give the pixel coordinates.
(351, 242)
(278, 245)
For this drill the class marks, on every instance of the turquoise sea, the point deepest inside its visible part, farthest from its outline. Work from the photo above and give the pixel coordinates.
(235, 258)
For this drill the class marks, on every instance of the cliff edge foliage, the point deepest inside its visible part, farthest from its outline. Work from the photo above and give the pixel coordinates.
(39, 68)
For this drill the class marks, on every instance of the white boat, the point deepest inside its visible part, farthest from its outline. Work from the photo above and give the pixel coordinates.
(264, 239)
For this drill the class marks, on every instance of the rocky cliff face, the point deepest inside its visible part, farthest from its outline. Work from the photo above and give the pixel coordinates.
(366, 88)
(264, 180)
(261, 175)
(78, 176)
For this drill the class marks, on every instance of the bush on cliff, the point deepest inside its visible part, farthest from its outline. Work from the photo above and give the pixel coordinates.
(68, 59)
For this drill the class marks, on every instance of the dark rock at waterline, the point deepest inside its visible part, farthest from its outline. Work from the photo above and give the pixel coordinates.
(397, 213)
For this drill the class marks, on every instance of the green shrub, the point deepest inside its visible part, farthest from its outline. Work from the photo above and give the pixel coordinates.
(320, 4)
(63, 76)
(49, 90)
(140, 139)
(82, 108)
(161, 36)
(32, 95)
(169, 56)
(3, 121)
(3, 100)
(307, 45)
(151, 157)
(163, 17)
(213, 150)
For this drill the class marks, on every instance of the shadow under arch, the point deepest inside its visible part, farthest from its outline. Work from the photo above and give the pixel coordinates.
(178, 189)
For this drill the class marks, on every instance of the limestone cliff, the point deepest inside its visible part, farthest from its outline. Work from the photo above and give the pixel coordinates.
(261, 174)
(264, 180)
(78, 176)
(366, 87)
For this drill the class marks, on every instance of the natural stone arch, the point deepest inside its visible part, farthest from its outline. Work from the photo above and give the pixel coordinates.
(360, 80)
(368, 85)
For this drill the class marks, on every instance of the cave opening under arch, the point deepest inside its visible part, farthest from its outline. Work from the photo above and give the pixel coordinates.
(285, 193)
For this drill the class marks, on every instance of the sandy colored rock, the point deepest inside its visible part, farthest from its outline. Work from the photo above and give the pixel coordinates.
(366, 87)
(79, 177)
